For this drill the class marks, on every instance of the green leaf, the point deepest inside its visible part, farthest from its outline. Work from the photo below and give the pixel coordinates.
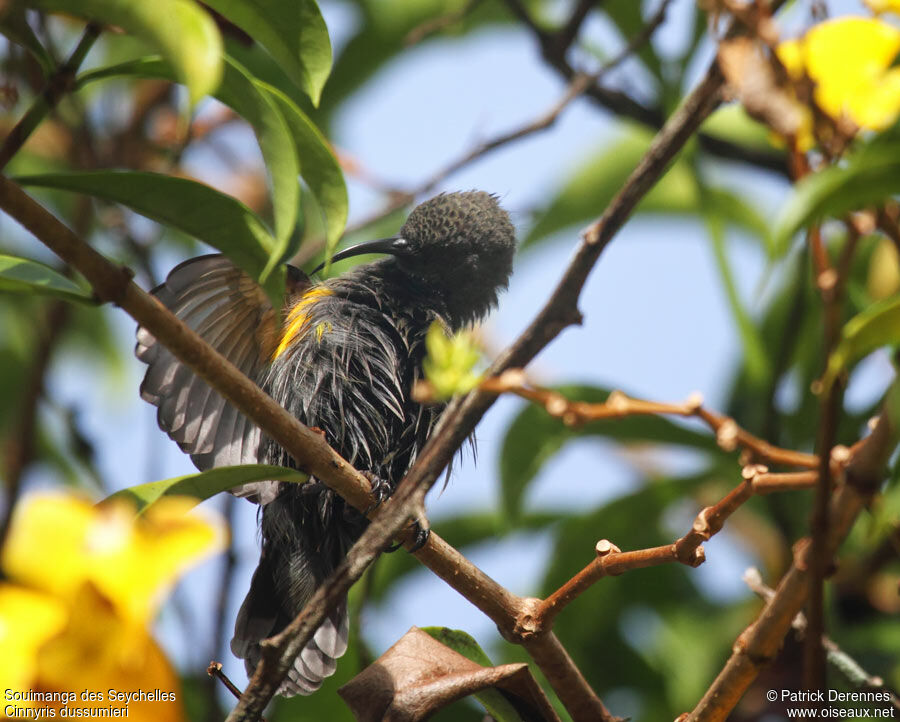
(731, 122)
(180, 30)
(241, 91)
(597, 181)
(462, 642)
(278, 124)
(717, 204)
(294, 34)
(318, 166)
(194, 208)
(206, 484)
(149, 66)
(450, 362)
(500, 708)
(535, 436)
(21, 275)
(869, 177)
(877, 326)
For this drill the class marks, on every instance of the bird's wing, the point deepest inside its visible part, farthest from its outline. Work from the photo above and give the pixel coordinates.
(230, 312)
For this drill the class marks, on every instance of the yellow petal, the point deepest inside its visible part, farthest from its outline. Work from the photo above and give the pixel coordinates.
(27, 620)
(849, 60)
(790, 53)
(877, 105)
(883, 6)
(58, 542)
(106, 654)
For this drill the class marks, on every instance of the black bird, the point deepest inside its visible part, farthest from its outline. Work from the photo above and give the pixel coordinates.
(344, 360)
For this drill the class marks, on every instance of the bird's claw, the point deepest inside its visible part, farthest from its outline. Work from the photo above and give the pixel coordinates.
(381, 490)
(420, 539)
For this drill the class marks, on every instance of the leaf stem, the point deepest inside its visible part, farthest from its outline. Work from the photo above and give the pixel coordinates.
(58, 84)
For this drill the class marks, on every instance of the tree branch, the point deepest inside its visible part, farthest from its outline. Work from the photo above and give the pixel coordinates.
(729, 435)
(758, 644)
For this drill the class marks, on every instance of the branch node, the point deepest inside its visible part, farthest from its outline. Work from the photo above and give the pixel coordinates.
(694, 402)
(840, 454)
(556, 405)
(528, 622)
(727, 435)
(701, 524)
(698, 557)
(512, 379)
(827, 280)
(617, 401)
(800, 551)
(751, 471)
(605, 547)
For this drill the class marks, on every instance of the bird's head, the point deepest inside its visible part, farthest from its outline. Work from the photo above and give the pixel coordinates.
(460, 245)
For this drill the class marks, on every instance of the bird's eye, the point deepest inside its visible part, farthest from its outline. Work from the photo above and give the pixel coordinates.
(401, 245)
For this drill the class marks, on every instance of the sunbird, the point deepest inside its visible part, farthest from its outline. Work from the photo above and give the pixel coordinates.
(342, 356)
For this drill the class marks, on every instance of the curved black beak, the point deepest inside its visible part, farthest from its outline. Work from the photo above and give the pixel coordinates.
(395, 246)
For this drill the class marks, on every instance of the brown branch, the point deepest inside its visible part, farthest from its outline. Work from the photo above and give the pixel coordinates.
(621, 104)
(568, 32)
(758, 644)
(611, 561)
(842, 662)
(214, 670)
(831, 281)
(729, 435)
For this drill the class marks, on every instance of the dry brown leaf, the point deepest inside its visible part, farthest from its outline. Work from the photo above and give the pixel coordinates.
(752, 79)
(418, 676)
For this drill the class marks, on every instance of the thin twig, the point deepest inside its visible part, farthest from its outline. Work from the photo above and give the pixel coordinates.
(625, 106)
(612, 561)
(214, 670)
(442, 22)
(729, 435)
(852, 670)
(760, 642)
(58, 84)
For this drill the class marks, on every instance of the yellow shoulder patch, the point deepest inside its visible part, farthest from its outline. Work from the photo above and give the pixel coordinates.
(297, 319)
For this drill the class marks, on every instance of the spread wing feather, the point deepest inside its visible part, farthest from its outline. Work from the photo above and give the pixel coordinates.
(232, 313)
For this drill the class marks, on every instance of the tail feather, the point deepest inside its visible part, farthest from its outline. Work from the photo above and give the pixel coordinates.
(261, 616)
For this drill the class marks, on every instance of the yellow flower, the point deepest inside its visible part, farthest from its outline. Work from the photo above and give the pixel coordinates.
(850, 59)
(87, 583)
(883, 6)
(58, 542)
(20, 641)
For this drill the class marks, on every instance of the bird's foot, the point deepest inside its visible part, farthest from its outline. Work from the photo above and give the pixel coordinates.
(381, 490)
(420, 539)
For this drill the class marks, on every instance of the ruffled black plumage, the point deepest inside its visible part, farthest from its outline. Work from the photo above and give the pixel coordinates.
(345, 361)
